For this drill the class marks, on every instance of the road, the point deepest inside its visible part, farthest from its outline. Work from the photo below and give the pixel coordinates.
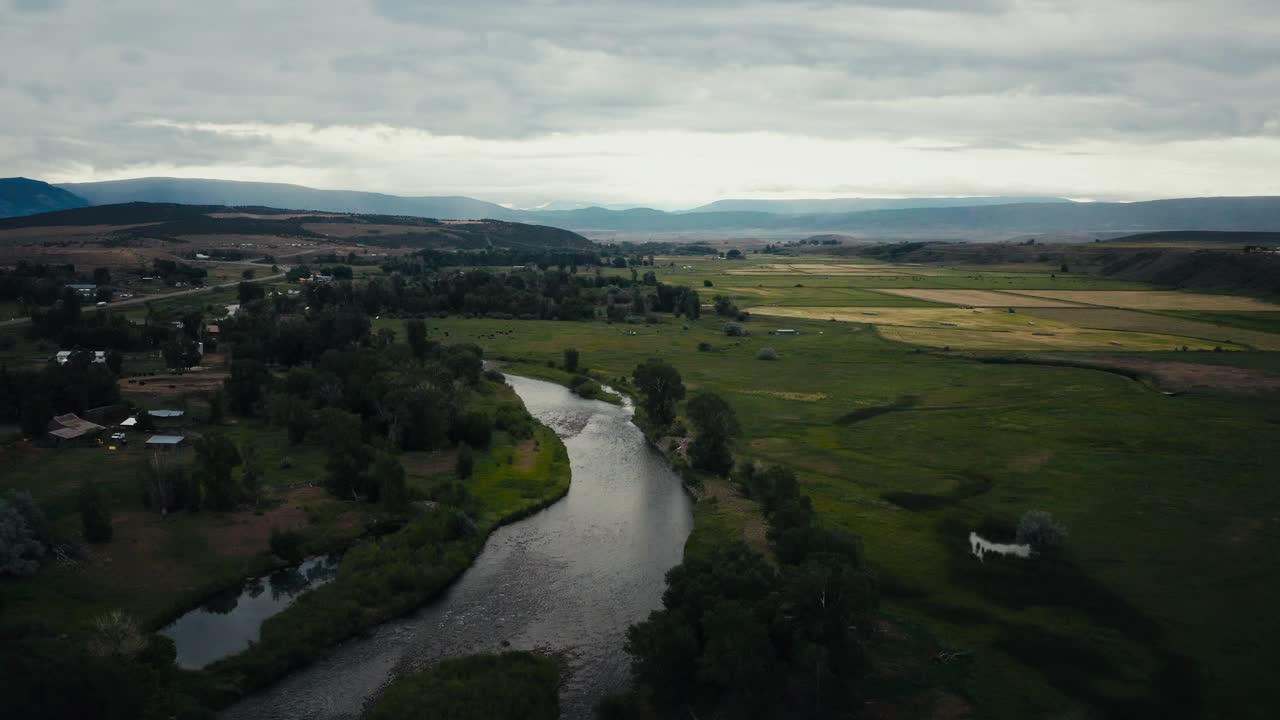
(153, 298)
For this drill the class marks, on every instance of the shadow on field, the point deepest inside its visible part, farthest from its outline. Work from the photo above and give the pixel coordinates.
(1074, 664)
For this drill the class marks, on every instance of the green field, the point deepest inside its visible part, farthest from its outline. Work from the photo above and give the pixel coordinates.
(1169, 501)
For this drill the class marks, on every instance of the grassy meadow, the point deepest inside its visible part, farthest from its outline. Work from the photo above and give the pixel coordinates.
(1170, 502)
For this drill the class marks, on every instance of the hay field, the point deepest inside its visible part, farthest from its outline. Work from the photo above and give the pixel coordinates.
(975, 298)
(978, 329)
(1154, 300)
(1134, 321)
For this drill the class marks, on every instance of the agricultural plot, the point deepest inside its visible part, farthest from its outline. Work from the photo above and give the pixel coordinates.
(1157, 300)
(990, 329)
(818, 296)
(975, 298)
(1147, 322)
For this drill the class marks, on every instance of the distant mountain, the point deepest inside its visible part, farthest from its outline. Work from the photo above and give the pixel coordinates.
(978, 218)
(20, 196)
(279, 195)
(848, 205)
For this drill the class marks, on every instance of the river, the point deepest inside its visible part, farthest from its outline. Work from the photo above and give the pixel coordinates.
(569, 579)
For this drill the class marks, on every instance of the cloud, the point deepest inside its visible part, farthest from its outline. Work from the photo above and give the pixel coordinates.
(1043, 78)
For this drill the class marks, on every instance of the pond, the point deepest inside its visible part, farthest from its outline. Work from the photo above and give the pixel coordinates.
(228, 622)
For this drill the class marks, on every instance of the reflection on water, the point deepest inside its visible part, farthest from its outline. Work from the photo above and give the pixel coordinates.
(571, 578)
(228, 622)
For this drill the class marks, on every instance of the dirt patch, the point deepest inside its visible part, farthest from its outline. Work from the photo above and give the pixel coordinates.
(245, 534)
(1031, 461)
(781, 395)
(1185, 375)
(975, 298)
(745, 513)
(526, 455)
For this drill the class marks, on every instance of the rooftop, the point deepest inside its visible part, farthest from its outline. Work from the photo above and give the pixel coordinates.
(166, 413)
(166, 440)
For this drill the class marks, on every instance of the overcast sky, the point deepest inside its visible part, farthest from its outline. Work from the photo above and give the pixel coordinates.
(669, 102)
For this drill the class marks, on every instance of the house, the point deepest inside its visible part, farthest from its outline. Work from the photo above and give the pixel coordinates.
(70, 429)
(62, 357)
(87, 292)
(166, 414)
(100, 357)
(786, 331)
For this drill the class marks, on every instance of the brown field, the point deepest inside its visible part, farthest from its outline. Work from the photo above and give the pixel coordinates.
(1185, 375)
(1154, 300)
(1130, 320)
(976, 298)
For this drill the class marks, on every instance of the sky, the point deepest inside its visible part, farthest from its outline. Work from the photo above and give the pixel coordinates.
(670, 103)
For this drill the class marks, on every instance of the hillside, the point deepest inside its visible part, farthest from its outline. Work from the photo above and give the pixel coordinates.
(1202, 237)
(225, 192)
(20, 197)
(135, 224)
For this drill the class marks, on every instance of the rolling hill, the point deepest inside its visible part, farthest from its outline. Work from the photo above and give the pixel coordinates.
(847, 205)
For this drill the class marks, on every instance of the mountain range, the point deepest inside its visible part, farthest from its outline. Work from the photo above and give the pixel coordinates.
(987, 217)
(21, 196)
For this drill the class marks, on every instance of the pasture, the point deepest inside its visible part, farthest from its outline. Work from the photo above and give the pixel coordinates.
(1149, 486)
(1157, 300)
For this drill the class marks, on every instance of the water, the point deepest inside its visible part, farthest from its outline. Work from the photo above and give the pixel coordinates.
(569, 579)
(228, 622)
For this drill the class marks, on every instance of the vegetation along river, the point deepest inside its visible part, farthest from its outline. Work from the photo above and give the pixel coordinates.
(568, 579)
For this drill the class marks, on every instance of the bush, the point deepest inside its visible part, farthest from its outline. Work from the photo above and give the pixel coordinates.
(286, 544)
(286, 462)
(705, 347)
(734, 329)
(466, 462)
(571, 360)
(1038, 529)
(767, 354)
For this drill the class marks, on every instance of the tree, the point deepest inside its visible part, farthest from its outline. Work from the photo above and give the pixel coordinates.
(415, 332)
(251, 471)
(717, 425)
(291, 412)
(571, 359)
(20, 549)
(95, 513)
(248, 292)
(216, 457)
(1038, 529)
(466, 461)
(342, 434)
(245, 385)
(388, 476)
(662, 388)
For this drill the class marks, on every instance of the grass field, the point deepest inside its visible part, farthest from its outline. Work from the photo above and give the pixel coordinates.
(1170, 503)
(1158, 300)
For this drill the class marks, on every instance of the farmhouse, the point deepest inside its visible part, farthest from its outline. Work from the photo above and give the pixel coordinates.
(87, 292)
(786, 331)
(70, 429)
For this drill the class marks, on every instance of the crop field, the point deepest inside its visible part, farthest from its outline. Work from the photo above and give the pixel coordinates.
(823, 296)
(1158, 300)
(1167, 556)
(977, 298)
(990, 329)
(1148, 322)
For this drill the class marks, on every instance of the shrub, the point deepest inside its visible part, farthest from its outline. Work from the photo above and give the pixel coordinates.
(286, 462)
(705, 347)
(571, 360)
(466, 462)
(734, 329)
(767, 354)
(1038, 529)
(286, 544)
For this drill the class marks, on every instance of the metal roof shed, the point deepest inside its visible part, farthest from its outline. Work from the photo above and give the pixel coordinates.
(163, 441)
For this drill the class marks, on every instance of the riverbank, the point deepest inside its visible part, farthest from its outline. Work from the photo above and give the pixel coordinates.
(381, 581)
